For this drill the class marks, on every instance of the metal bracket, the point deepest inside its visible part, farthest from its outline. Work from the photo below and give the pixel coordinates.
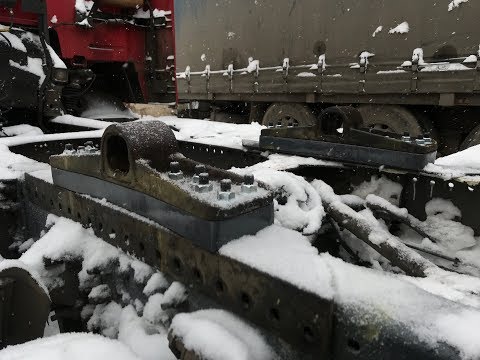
(230, 76)
(363, 64)
(415, 69)
(208, 74)
(285, 68)
(188, 77)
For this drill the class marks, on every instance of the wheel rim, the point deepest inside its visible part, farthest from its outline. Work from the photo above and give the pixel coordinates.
(285, 121)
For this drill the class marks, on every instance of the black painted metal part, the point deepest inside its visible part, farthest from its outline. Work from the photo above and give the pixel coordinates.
(338, 136)
(24, 306)
(132, 171)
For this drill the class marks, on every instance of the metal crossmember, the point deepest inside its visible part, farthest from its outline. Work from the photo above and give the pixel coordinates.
(300, 318)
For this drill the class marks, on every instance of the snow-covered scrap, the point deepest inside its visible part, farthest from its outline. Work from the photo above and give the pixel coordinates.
(110, 308)
(376, 297)
(375, 236)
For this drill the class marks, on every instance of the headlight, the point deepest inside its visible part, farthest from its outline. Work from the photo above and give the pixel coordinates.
(60, 75)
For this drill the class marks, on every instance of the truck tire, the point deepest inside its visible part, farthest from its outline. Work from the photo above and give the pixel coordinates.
(285, 114)
(472, 139)
(335, 117)
(394, 118)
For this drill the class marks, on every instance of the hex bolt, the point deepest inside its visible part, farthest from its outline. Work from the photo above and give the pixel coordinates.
(204, 179)
(406, 137)
(89, 144)
(174, 167)
(203, 185)
(199, 169)
(68, 147)
(420, 140)
(249, 179)
(226, 192)
(248, 185)
(427, 138)
(226, 185)
(175, 173)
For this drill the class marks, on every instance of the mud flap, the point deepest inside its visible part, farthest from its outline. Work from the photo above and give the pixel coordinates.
(24, 307)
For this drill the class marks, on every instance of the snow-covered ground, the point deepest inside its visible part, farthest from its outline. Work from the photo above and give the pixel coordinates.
(443, 307)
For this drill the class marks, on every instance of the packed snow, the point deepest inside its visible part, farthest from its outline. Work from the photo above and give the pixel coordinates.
(34, 66)
(402, 28)
(146, 14)
(83, 6)
(69, 346)
(455, 4)
(14, 40)
(219, 335)
(377, 31)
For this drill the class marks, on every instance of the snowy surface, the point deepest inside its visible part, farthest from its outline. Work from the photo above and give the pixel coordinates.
(219, 335)
(34, 66)
(71, 347)
(423, 310)
(81, 122)
(455, 4)
(13, 166)
(215, 133)
(29, 139)
(145, 14)
(105, 108)
(402, 28)
(144, 334)
(467, 160)
(140, 327)
(443, 306)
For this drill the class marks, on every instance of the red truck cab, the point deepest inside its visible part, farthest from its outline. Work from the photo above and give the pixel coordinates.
(123, 48)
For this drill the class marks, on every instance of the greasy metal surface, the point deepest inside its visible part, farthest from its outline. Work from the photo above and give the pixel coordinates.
(208, 234)
(24, 307)
(219, 156)
(138, 156)
(123, 144)
(231, 32)
(354, 144)
(347, 153)
(156, 184)
(365, 137)
(241, 289)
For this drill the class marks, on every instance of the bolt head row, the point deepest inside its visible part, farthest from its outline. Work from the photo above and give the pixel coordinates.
(88, 147)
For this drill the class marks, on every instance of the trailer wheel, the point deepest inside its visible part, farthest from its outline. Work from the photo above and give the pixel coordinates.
(472, 139)
(393, 118)
(286, 114)
(334, 118)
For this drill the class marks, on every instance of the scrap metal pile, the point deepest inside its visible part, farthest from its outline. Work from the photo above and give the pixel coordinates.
(172, 205)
